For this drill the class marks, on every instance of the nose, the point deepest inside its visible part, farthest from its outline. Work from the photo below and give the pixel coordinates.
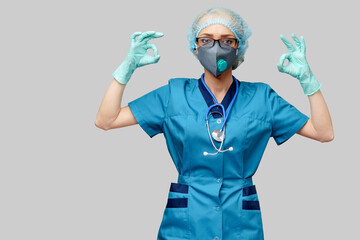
(221, 64)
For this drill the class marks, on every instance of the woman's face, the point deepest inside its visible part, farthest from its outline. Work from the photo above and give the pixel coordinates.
(216, 31)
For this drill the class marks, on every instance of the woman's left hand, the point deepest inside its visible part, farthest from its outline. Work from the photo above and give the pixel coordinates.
(298, 66)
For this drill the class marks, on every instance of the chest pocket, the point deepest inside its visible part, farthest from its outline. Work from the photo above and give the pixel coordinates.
(175, 222)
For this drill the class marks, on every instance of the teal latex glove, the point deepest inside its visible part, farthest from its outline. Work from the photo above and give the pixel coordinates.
(137, 55)
(298, 66)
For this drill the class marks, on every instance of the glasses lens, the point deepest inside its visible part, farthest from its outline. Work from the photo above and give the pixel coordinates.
(228, 42)
(205, 42)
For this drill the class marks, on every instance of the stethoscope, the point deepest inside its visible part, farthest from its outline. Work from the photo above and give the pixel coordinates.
(218, 134)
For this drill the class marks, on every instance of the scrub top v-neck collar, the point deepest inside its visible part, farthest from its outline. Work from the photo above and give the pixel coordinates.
(226, 100)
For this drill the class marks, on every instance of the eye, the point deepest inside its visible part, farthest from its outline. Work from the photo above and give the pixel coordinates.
(205, 40)
(228, 41)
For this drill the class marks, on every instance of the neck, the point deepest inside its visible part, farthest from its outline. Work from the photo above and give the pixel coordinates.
(219, 85)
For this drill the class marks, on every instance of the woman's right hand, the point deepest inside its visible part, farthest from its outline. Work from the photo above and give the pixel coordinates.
(139, 47)
(137, 55)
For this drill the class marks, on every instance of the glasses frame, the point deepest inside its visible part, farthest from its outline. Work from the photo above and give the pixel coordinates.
(216, 40)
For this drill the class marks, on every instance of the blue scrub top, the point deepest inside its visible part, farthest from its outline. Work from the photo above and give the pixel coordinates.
(214, 197)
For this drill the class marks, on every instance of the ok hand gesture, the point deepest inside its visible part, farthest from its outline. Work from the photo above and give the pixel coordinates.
(137, 55)
(139, 47)
(298, 66)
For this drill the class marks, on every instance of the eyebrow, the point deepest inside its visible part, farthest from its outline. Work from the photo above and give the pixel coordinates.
(210, 35)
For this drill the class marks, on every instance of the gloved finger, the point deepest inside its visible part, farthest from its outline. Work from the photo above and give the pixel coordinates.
(288, 44)
(153, 47)
(152, 60)
(158, 34)
(303, 47)
(283, 58)
(156, 58)
(280, 65)
(297, 42)
(155, 35)
(145, 35)
(134, 35)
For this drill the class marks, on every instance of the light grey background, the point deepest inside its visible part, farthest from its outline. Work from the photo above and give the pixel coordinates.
(63, 178)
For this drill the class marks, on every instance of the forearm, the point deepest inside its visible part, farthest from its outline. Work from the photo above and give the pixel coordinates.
(320, 117)
(110, 105)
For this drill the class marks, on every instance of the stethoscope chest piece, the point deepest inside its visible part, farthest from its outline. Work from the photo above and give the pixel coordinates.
(218, 135)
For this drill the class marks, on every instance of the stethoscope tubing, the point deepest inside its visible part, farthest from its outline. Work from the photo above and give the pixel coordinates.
(225, 116)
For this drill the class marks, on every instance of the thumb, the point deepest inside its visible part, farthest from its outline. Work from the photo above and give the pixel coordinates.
(153, 60)
(156, 58)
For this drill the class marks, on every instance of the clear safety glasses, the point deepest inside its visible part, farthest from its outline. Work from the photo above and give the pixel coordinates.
(209, 42)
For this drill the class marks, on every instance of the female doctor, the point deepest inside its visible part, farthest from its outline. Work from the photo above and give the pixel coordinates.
(216, 127)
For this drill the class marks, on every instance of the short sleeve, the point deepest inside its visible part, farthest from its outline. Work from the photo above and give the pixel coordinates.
(286, 119)
(150, 110)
